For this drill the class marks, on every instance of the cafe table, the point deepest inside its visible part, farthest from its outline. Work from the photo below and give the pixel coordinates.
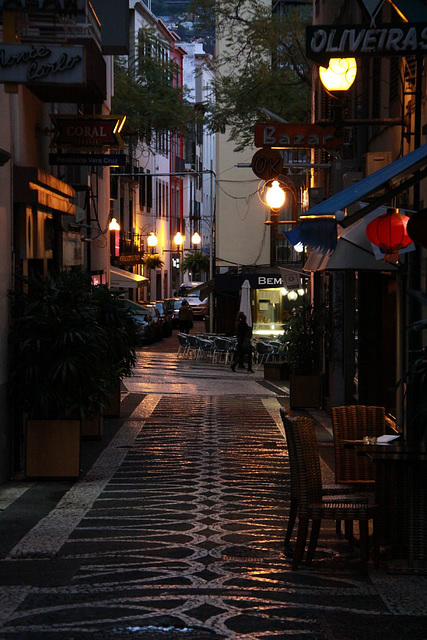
(401, 498)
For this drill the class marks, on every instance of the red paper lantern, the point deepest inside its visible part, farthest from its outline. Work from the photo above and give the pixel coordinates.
(388, 232)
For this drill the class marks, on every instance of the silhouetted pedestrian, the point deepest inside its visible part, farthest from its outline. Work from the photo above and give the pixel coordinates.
(244, 345)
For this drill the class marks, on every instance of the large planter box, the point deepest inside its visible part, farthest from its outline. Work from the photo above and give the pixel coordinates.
(93, 429)
(52, 449)
(305, 392)
(276, 371)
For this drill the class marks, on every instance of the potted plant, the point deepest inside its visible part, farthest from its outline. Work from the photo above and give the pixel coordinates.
(303, 333)
(64, 361)
(195, 262)
(121, 337)
(153, 261)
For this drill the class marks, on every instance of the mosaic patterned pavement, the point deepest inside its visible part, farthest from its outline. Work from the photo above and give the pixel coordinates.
(176, 532)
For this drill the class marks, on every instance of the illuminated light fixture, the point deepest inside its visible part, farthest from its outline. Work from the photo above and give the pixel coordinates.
(114, 225)
(283, 291)
(388, 232)
(178, 239)
(272, 327)
(152, 240)
(300, 292)
(340, 74)
(275, 196)
(119, 124)
(299, 247)
(292, 295)
(196, 239)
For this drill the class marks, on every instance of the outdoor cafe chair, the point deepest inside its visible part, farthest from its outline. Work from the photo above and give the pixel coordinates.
(183, 345)
(223, 348)
(353, 422)
(312, 504)
(339, 492)
(193, 346)
(263, 351)
(205, 348)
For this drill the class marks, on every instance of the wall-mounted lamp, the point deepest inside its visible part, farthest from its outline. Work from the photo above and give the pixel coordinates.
(340, 74)
(114, 225)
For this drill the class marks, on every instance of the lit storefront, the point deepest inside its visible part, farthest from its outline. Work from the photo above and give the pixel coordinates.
(272, 299)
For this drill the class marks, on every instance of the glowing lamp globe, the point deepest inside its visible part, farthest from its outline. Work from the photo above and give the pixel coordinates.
(178, 238)
(292, 295)
(152, 240)
(114, 225)
(388, 232)
(196, 239)
(275, 196)
(340, 74)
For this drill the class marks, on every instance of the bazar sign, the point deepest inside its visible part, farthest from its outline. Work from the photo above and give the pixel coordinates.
(61, 6)
(328, 41)
(40, 64)
(294, 135)
(87, 132)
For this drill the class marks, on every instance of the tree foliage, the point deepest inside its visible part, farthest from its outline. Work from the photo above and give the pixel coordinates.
(146, 91)
(195, 262)
(261, 64)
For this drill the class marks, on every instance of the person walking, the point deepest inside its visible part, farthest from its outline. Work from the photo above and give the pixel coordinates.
(185, 317)
(244, 346)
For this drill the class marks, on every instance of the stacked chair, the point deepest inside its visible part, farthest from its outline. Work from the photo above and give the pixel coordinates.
(308, 499)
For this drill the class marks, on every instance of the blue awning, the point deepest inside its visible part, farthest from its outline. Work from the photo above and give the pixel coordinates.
(381, 179)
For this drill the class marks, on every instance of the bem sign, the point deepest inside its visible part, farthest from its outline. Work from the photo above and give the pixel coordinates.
(399, 39)
(296, 135)
(87, 132)
(41, 64)
(56, 6)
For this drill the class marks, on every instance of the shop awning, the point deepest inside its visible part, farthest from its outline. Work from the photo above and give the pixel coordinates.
(384, 178)
(353, 252)
(121, 279)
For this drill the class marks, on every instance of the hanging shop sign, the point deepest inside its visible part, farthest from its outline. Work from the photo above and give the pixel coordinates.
(88, 159)
(267, 164)
(87, 132)
(42, 65)
(129, 260)
(398, 39)
(53, 6)
(296, 136)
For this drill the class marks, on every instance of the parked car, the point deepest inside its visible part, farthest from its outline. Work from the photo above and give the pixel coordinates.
(173, 306)
(199, 307)
(153, 312)
(145, 326)
(146, 313)
(166, 316)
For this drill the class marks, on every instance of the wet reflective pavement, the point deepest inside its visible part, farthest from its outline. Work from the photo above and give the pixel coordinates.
(177, 531)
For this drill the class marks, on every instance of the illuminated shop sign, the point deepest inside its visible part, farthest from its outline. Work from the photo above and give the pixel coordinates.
(57, 6)
(40, 64)
(87, 132)
(296, 135)
(328, 41)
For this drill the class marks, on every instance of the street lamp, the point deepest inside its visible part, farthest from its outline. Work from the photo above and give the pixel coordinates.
(178, 239)
(275, 196)
(152, 240)
(339, 75)
(196, 239)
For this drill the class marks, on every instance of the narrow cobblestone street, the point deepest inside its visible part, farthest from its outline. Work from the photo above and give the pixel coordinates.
(176, 530)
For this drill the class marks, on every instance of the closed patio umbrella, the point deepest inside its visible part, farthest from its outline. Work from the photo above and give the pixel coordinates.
(245, 301)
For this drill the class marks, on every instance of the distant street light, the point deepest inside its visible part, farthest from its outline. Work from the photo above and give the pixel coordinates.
(114, 225)
(178, 239)
(152, 240)
(196, 239)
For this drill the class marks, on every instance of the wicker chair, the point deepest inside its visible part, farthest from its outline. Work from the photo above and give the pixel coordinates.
(312, 505)
(352, 422)
(337, 492)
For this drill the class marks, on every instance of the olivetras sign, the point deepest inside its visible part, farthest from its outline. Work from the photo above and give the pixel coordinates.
(39, 64)
(326, 41)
